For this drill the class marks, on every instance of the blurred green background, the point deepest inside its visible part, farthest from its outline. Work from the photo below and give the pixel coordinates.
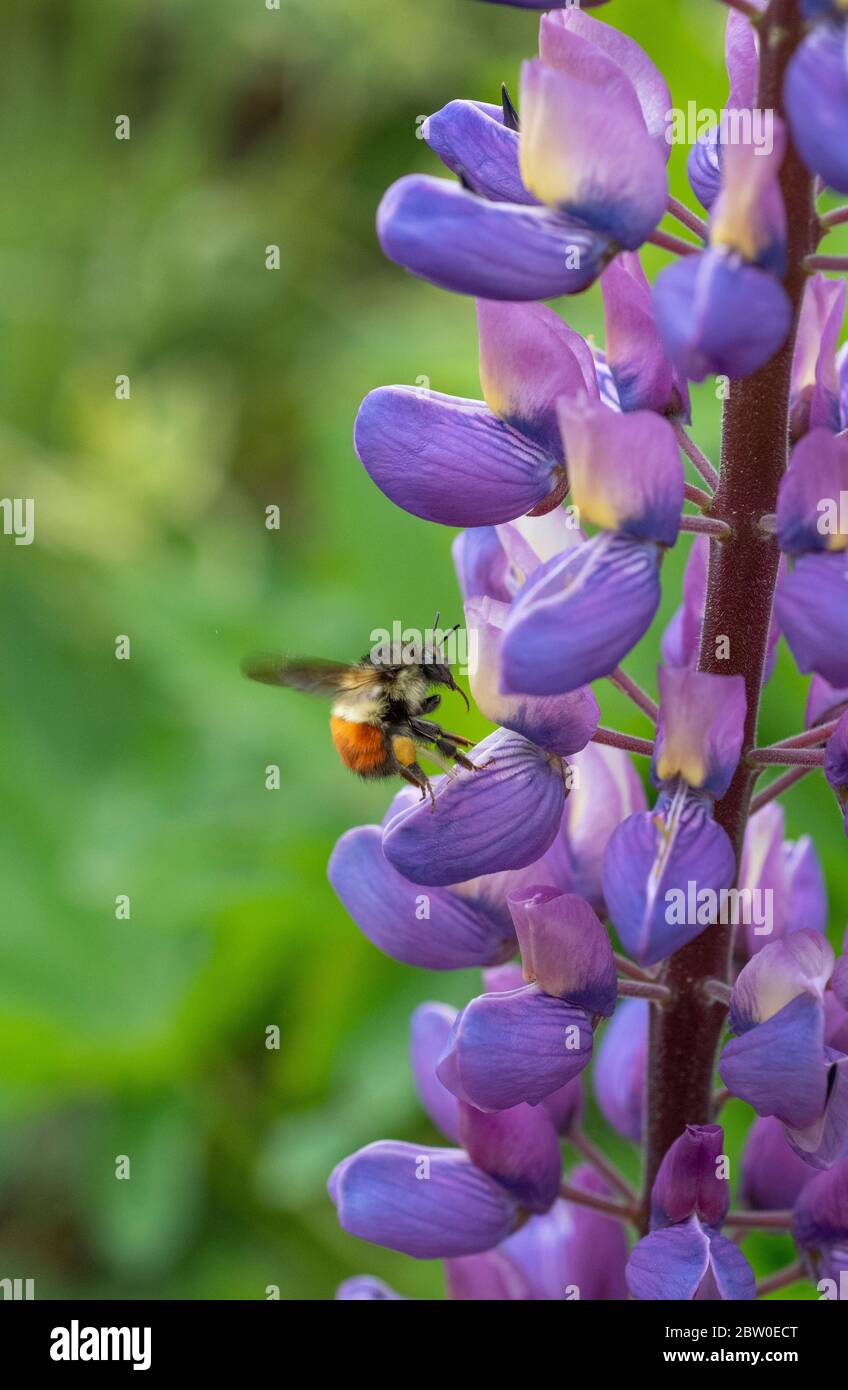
(146, 1037)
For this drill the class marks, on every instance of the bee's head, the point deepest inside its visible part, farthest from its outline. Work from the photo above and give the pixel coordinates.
(438, 673)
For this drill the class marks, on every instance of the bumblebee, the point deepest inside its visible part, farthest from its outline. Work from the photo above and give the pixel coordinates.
(378, 719)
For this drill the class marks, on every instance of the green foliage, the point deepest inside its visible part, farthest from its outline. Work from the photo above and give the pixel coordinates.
(146, 777)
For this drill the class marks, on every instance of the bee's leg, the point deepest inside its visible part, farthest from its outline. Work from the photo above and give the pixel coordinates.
(431, 732)
(405, 755)
(417, 777)
(447, 745)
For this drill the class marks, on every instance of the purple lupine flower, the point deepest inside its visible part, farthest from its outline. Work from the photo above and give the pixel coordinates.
(813, 615)
(740, 52)
(545, 205)
(564, 948)
(561, 724)
(503, 815)
(578, 615)
(815, 388)
(779, 1061)
(783, 882)
(415, 444)
(426, 1202)
(664, 870)
(517, 1046)
(429, 1030)
(691, 1180)
(569, 1252)
(773, 1174)
(808, 507)
(684, 1257)
(815, 94)
(620, 1066)
(569, 210)
(645, 378)
(820, 1224)
(605, 790)
(724, 310)
(824, 702)
(438, 929)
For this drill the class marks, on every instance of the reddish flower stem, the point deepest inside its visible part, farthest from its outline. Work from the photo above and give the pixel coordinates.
(590, 1151)
(834, 218)
(591, 1199)
(809, 738)
(706, 526)
(759, 1220)
(779, 786)
(687, 218)
(634, 692)
(740, 590)
(790, 1274)
(677, 244)
(786, 757)
(613, 739)
(695, 455)
(839, 263)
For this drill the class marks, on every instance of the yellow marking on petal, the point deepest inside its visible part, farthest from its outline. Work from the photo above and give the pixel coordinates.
(595, 506)
(678, 759)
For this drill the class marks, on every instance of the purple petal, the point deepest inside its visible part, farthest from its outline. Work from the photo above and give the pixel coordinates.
(440, 232)
(579, 615)
(364, 1288)
(815, 382)
(529, 358)
(836, 756)
(811, 608)
(430, 1028)
(717, 314)
(425, 1202)
(590, 50)
(772, 1173)
(564, 948)
(802, 963)
(586, 151)
(625, 470)
(825, 1140)
(519, 1148)
(688, 1182)
(572, 1251)
(808, 505)
(820, 1221)
(815, 94)
(471, 139)
(824, 702)
(492, 1276)
(783, 881)
(508, 1048)
(681, 643)
(748, 218)
(561, 724)
(435, 930)
(618, 1074)
(700, 729)
(644, 377)
(481, 563)
(703, 167)
(664, 872)
(449, 460)
(565, 1106)
(605, 788)
(778, 1067)
(687, 1263)
(503, 815)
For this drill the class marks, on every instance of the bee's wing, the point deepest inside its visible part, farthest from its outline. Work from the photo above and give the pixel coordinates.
(313, 677)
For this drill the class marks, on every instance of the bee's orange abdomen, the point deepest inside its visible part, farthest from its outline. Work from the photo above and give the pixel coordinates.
(361, 746)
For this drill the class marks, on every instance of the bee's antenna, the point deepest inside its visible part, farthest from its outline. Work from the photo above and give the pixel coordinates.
(436, 620)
